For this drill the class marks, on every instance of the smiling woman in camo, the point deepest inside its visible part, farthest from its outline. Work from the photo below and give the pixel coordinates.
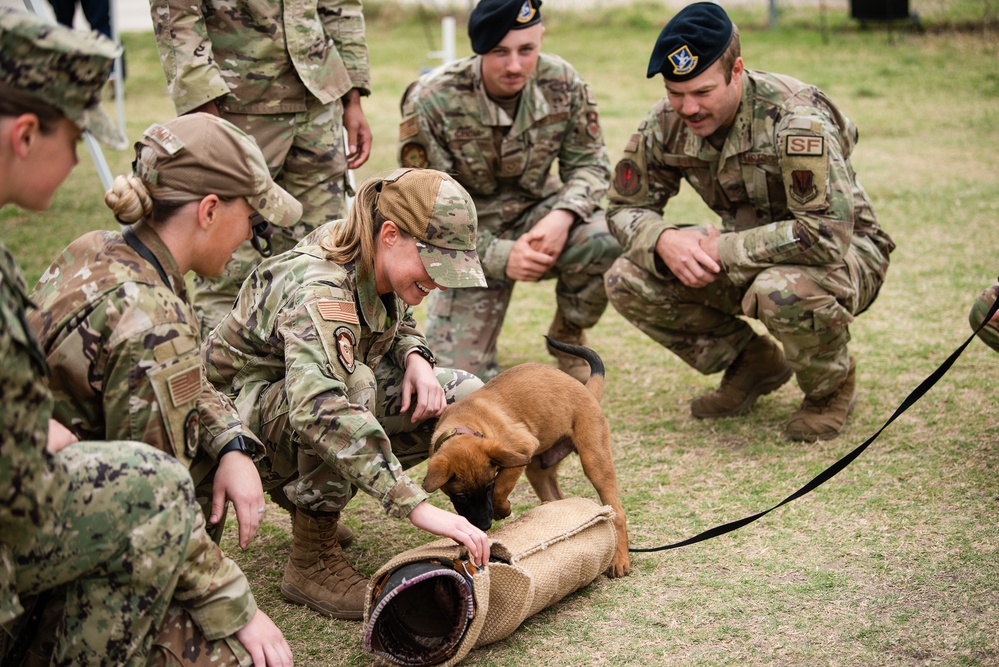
(323, 358)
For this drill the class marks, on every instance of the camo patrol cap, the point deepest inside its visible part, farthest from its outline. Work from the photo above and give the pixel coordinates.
(691, 42)
(491, 20)
(61, 67)
(200, 154)
(434, 209)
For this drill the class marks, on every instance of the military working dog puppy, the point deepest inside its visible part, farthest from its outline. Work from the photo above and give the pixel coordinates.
(526, 419)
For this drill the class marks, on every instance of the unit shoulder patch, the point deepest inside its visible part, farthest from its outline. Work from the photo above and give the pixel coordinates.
(627, 177)
(414, 155)
(345, 341)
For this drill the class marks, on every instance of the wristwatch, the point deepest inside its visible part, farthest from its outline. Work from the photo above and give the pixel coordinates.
(426, 354)
(237, 444)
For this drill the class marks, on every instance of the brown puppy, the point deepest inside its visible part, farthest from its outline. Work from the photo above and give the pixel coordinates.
(526, 419)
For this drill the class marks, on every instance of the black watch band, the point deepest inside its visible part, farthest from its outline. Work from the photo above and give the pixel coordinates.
(426, 354)
(237, 444)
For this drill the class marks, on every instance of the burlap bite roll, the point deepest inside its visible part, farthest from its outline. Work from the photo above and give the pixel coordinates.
(428, 606)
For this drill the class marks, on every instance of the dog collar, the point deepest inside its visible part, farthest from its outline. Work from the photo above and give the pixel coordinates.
(461, 430)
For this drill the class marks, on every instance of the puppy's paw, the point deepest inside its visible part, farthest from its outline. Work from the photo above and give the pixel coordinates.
(619, 567)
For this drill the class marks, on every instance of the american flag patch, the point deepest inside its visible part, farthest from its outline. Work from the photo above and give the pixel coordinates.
(337, 311)
(408, 128)
(185, 386)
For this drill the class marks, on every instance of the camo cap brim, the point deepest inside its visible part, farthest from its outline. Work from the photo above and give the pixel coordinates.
(434, 208)
(65, 68)
(198, 154)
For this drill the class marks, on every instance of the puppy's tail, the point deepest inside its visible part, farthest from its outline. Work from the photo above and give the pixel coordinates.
(595, 383)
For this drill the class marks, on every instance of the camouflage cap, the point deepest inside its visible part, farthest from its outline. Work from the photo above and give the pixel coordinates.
(65, 68)
(200, 154)
(440, 214)
(691, 42)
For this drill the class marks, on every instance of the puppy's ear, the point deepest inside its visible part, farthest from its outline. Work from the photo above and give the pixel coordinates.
(437, 476)
(505, 458)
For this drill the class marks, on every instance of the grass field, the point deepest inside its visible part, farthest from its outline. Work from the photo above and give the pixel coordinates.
(894, 561)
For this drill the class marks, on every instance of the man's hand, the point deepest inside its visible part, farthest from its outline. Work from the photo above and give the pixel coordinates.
(526, 263)
(691, 255)
(536, 251)
(237, 480)
(59, 437)
(551, 232)
(358, 130)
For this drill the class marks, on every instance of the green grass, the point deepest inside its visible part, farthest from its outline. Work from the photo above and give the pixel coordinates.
(893, 562)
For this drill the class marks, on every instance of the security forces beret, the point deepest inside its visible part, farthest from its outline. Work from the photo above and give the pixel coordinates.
(691, 42)
(491, 20)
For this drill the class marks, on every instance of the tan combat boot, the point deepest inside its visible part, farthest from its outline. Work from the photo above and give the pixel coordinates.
(759, 369)
(564, 332)
(824, 418)
(344, 535)
(318, 575)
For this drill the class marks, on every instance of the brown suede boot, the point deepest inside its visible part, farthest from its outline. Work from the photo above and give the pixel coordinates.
(344, 535)
(825, 417)
(564, 332)
(317, 574)
(759, 369)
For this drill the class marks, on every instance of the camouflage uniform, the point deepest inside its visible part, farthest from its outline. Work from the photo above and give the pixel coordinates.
(123, 350)
(990, 334)
(801, 248)
(314, 360)
(451, 124)
(276, 70)
(108, 533)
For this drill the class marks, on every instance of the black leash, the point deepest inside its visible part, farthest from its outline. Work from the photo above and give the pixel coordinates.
(832, 470)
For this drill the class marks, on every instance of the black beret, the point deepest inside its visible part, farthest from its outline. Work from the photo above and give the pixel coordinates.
(491, 20)
(691, 42)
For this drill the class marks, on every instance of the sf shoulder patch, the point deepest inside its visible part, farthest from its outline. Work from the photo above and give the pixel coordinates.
(413, 155)
(805, 167)
(805, 145)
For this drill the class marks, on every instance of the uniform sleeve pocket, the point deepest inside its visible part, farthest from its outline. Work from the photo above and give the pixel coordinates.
(177, 384)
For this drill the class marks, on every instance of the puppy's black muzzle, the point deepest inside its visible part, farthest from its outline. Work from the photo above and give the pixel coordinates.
(476, 506)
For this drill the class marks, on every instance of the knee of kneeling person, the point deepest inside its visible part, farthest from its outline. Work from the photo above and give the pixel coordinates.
(785, 309)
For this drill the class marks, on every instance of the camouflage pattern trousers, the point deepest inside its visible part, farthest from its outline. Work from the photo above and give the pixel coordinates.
(319, 483)
(990, 334)
(110, 564)
(305, 155)
(463, 325)
(807, 308)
